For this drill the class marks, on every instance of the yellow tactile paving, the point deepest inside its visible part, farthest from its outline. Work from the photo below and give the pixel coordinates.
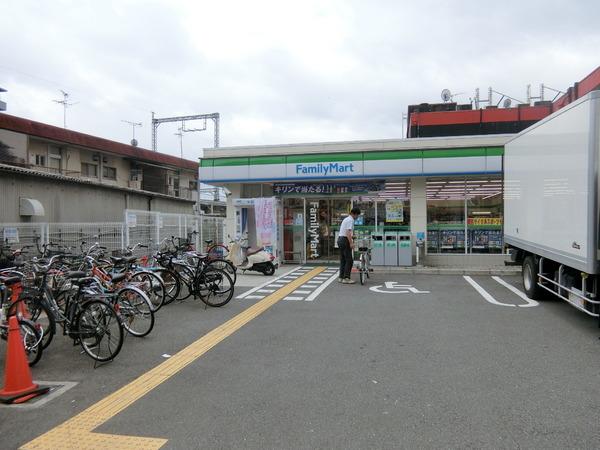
(76, 433)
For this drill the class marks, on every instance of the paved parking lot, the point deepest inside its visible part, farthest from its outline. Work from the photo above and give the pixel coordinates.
(414, 361)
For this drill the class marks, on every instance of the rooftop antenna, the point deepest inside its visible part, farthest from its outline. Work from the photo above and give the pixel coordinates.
(543, 87)
(134, 141)
(448, 96)
(65, 102)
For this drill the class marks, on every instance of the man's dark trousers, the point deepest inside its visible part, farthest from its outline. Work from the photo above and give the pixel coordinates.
(346, 257)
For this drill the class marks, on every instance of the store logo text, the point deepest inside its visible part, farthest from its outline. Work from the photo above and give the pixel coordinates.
(324, 169)
(313, 229)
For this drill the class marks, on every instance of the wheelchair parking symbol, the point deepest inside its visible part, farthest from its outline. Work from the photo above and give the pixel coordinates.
(391, 287)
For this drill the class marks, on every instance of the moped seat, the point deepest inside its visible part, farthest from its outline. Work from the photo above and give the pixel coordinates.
(253, 250)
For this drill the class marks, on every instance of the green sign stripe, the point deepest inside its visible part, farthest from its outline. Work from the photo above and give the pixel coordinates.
(397, 154)
(356, 156)
(495, 151)
(454, 153)
(329, 157)
(221, 162)
(255, 160)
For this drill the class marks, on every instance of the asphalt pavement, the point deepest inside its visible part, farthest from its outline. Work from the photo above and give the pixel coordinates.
(406, 361)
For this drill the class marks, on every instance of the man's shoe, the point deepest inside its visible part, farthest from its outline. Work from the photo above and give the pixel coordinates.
(340, 280)
(348, 281)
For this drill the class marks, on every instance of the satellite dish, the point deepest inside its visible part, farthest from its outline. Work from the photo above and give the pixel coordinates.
(507, 102)
(446, 95)
(134, 142)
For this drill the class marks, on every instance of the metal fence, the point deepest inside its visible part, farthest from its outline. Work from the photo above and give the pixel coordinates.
(146, 227)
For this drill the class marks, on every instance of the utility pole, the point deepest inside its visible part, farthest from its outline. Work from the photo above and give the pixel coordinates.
(133, 125)
(65, 102)
(183, 119)
(180, 134)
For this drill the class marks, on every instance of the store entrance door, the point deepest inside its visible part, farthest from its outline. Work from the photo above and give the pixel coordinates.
(323, 219)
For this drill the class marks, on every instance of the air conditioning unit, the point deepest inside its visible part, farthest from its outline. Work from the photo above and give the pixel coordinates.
(134, 184)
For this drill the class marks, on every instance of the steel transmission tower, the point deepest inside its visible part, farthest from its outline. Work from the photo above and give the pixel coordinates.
(214, 117)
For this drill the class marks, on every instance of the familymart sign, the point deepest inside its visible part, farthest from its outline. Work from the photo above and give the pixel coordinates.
(356, 165)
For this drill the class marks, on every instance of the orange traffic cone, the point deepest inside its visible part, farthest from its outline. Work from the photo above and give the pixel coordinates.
(18, 385)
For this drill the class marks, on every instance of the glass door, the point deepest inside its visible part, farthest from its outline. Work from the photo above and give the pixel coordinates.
(293, 230)
(323, 219)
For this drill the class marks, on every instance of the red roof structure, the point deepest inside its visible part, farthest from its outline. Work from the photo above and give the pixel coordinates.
(42, 130)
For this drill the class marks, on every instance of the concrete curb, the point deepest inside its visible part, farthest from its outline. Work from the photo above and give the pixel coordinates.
(449, 271)
(496, 271)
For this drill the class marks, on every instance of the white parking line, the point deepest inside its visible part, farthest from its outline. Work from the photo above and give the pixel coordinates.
(266, 291)
(484, 293)
(293, 298)
(510, 287)
(301, 292)
(254, 297)
(275, 285)
(245, 294)
(321, 288)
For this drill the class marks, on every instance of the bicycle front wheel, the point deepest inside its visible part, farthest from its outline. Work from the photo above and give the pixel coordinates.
(224, 265)
(135, 310)
(151, 284)
(99, 330)
(171, 282)
(186, 280)
(218, 251)
(32, 341)
(36, 311)
(214, 286)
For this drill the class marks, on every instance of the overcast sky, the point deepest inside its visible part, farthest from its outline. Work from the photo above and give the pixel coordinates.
(279, 71)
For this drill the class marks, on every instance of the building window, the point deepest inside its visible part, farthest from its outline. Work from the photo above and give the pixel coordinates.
(54, 158)
(40, 160)
(89, 170)
(193, 185)
(464, 215)
(110, 173)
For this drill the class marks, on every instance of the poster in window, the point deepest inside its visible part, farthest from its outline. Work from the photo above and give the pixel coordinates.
(394, 211)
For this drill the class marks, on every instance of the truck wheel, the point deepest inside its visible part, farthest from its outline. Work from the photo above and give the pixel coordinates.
(530, 278)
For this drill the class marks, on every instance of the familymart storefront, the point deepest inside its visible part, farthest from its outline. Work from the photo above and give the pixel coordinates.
(445, 191)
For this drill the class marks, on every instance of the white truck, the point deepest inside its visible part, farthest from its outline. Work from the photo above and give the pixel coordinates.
(551, 204)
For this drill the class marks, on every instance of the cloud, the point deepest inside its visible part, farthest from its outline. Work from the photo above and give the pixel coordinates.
(280, 72)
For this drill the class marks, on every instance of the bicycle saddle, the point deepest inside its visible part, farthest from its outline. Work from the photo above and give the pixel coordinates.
(118, 277)
(76, 274)
(208, 242)
(84, 280)
(120, 260)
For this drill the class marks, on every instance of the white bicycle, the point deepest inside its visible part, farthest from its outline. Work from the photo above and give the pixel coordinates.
(364, 261)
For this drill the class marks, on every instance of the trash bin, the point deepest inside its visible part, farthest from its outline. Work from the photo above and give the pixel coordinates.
(405, 249)
(377, 250)
(390, 255)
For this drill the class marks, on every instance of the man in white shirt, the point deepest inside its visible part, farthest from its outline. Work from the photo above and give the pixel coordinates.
(346, 246)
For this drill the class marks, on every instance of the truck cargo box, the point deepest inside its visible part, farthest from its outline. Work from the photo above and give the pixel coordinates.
(551, 186)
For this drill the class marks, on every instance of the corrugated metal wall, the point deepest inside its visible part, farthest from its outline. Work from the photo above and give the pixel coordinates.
(72, 202)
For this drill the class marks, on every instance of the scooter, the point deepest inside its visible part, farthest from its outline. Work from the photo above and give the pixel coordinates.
(253, 259)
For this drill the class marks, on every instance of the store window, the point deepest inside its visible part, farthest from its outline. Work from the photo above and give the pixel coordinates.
(484, 215)
(464, 215)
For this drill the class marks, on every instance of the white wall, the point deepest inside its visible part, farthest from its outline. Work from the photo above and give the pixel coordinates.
(418, 208)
